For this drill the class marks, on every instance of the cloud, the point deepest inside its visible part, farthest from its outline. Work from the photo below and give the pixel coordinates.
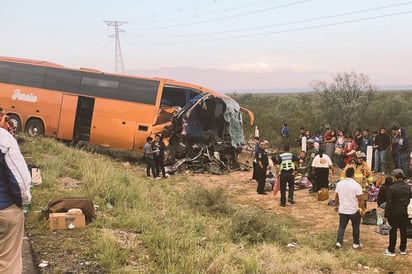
(270, 67)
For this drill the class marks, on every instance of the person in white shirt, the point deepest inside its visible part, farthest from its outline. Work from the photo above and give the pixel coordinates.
(349, 204)
(321, 165)
(15, 184)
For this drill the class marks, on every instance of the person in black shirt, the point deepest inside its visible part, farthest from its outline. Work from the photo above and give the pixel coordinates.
(396, 212)
(262, 164)
(383, 192)
(159, 155)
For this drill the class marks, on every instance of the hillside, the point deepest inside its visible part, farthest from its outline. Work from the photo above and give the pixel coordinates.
(188, 223)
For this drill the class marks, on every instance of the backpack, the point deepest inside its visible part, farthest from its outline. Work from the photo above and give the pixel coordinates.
(370, 217)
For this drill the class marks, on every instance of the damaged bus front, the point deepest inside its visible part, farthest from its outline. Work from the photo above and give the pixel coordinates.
(205, 133)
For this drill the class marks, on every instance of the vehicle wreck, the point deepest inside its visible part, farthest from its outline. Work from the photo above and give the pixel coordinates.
(205, 135)
(118, 111)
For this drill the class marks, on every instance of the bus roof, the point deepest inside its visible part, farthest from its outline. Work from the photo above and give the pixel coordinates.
(166, 81)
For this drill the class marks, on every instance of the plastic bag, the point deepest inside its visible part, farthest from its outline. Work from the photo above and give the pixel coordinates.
(370, 217)
(379, 220)
(410, 208)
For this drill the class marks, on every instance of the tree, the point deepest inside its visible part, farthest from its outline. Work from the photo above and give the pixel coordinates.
(345, 101)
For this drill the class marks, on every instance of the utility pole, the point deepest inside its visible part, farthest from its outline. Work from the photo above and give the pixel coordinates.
(118, 50)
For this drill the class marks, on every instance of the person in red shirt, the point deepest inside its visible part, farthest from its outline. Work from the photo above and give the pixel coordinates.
(6, 123)
(349, 149)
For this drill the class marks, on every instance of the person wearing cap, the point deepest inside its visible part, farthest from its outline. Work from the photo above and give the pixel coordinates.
(286, 168)
(363, 174)
(383, 192)
(396, 212)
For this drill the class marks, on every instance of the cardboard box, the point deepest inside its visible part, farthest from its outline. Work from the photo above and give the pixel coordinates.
(66, 221)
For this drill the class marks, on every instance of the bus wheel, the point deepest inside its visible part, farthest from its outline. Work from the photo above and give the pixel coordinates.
(16, 121)
(34, 127)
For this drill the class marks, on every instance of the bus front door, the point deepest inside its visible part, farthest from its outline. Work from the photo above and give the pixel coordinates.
(67, 117)
(84, 115)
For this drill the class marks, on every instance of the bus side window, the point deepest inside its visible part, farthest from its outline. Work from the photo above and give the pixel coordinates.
(27, 75)
(4, 72)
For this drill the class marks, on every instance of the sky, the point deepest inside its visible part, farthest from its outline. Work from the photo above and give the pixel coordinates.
(289, 39)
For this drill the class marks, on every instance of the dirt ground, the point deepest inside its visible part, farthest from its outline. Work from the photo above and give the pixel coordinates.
(242, 190)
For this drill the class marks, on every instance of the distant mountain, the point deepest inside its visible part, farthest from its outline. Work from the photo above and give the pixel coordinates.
(282, 81)
(231, 81)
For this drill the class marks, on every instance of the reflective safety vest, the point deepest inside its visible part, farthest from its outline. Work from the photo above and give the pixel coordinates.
(287, 163)
(363, 175)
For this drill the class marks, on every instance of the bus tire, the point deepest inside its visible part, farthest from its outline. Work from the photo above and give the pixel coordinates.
(34, 127)
(16, 120)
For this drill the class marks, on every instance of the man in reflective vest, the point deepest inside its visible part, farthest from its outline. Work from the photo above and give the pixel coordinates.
(363, 174)
(285, 168)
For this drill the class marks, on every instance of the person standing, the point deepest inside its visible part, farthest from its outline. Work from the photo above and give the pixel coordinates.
(301, 135)
(349, 150)
(321, 165)
(402, 150)
(363, 175)
(262, 164)
(394, 146)
(310, 155)
(383, 192)
(330, 140)
(286, 169)
(357, 137)
(366, 141)
(159, 156)
(15, 183)
(349, 203)
(284, 131)
(255, 176)
(149, 157)
(396, 212)
(339, 145)
(6, 122)
(382, 142)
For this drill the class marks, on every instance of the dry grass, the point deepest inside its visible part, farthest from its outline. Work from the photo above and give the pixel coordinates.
(184, 224)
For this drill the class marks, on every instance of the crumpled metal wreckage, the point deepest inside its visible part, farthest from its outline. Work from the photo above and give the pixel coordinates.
(206, 136)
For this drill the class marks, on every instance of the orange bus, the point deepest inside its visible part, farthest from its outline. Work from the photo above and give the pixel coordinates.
(112, 110)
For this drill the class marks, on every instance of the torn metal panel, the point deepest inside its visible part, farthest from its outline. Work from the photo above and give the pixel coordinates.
(211, 126)
(233, 117)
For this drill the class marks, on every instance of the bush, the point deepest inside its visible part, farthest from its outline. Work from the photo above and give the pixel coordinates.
(208, 201)
(254, 225)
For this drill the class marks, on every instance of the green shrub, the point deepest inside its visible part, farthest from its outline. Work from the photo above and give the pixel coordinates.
(254, 225)
(208, 201)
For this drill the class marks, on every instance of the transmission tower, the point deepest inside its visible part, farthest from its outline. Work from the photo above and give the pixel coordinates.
(118, 62)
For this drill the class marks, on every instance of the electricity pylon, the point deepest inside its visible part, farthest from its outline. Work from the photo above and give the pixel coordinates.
(118, 50)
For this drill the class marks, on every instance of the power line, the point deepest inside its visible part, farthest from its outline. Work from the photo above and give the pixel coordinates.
(310, 27)
(118, 50)
(295, 22)
(227, 17)
(291, 30)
